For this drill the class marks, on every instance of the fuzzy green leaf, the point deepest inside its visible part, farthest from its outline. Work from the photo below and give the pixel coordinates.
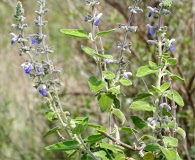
(170, 141)
(108, 75)
(149, 156)
(142, 96)
(115, 90)
(125, 81)
(64, 146)
(181, 132)
(93, 53)
(172, 61)
(120, 115)
(51, 131)
(101, 33)
(146, 70)
(164, 86)
(105, 101)
(142, 106)
(170, 154)
(78, 33)
(175, 96)
(96, 84)
(153, 147)
(80, 126)
(138, 122)
(95, 138)
(175, 77)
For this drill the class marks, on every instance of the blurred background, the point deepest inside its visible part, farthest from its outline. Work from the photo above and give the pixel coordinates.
(22, 120)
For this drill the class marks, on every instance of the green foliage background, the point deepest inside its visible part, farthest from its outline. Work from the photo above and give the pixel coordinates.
(22, 121)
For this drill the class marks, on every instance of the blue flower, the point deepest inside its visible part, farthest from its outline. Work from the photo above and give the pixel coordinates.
(127, 74)
(28, 67)
(14, 39)
(35, 39)
(43, 90)
(171, 46)
(97, 19)
(109, 60)
(152, 10)
(39, 68)
(151, 30)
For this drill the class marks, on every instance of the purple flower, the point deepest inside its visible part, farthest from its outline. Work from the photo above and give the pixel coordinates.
(14, 39)
(152, 10)
(97, 19)
(151, 30)
(171, 46)
(35, 39)
(39, 68)
(127, 74)
(152, 120)
(109, 60)
(165, 105)
(43, 90)
(28, 67)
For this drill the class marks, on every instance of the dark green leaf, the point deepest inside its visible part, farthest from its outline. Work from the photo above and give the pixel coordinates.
(80, 126)
(101, 33)
(51, 131)
(127, 129)
(95, 138)
(96, 84)
(105, 101)
(142, 96)
(138, 122)
(108, 146)
(142, 106)
(153, 147)
(175, 96)
(117, 103)
(64, 146)
(78, 33)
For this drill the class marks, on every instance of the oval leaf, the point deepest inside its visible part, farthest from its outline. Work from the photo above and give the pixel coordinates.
(142, 106)
(78, 33)
(108, 75)
(101, 33)
(64, 146)
(145, 70)
(175, 96)
(138, 122)
(96, 84)
(120, 115)
(125, 81)
(105, 101)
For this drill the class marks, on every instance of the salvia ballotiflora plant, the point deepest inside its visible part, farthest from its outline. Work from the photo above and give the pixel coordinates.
(161, 132)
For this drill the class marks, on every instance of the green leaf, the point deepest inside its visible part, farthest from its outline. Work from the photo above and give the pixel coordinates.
(105, 101)
(115, 90)
(175, 96)
(64, 146)
(181, 132)
(170, 141)
(125, 81)
(101, 154)
(51, 131)
(138, 122)
(119, 114)
(78, 33)
(93, 53)
(175, 77)
(108, 146)
(145, 70)
(142, 96)
(170, 154)
(80, 126)
(164, 86)
(147, 137)
(153, 147)
(96, 84)
(51, 116)
(117, 103)
(108, 75)
(172, 61)
(149, 156)
(127, 129)
(101, 33)
(120, 157)
(142, 106)
(95, 138)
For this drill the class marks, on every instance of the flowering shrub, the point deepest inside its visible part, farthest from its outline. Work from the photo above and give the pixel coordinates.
(154, 138)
